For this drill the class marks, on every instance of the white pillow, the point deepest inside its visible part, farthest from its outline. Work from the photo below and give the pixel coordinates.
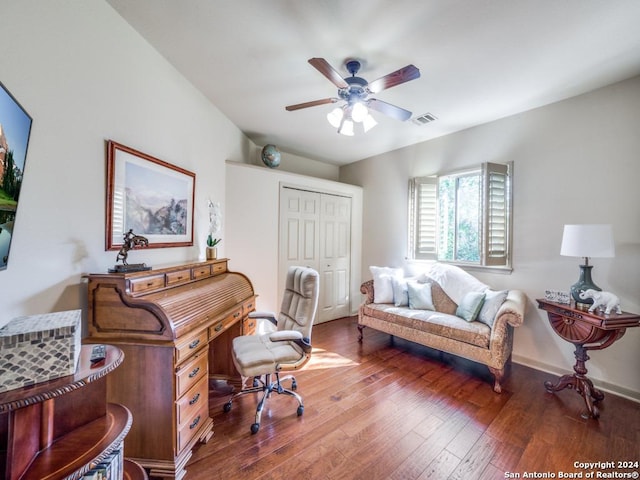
(420, 296)
(400, 292)
(455, 281)
(382, 287)
(492, 303)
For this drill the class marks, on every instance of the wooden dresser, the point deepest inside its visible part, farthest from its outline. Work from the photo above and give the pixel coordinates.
(175, 326)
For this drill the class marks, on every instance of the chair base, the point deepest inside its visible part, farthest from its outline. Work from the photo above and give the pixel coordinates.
(267, 387)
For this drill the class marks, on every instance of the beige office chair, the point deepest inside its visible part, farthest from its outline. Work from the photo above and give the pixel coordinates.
(286, 349)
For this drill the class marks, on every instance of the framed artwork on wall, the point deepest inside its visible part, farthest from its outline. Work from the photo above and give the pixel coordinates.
(15, 129)
(149, 196)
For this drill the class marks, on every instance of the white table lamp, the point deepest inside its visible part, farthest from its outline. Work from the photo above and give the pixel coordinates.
(595, 241)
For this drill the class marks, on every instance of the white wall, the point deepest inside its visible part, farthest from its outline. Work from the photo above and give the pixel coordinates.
(576, 161)
(252, 226)
(85, 76)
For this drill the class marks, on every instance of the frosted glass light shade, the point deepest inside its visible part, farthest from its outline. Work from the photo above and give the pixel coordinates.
(346, 128)
(368, 123)
(335, 117)
(359, 112)
(594, 241)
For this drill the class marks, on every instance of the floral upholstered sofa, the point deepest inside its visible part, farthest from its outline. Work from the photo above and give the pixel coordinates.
(446, 309)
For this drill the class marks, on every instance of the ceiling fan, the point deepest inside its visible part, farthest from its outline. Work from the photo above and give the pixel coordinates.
(356, 91)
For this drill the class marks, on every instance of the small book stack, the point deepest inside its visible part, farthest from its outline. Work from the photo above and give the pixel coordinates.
(111, 468)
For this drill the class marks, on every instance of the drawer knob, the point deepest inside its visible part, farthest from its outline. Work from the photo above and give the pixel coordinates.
(195, 423)
(218, 327)
(194, 372)
(195, 399)
(236, 315)
(194, 344)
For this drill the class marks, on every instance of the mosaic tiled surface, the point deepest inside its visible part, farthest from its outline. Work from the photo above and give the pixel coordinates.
(37, 348)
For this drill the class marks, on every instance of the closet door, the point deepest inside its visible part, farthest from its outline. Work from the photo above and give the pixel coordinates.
(315, 231)
(335, 257)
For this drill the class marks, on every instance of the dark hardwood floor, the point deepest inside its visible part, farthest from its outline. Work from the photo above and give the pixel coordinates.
(395, 410)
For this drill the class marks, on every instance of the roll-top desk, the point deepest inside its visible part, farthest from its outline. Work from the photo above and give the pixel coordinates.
(175, 326)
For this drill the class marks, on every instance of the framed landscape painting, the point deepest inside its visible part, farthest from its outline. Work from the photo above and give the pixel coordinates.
(15, 128)
(149, 196)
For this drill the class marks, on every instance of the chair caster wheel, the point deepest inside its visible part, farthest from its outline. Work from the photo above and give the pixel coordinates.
(300, 410)
(294, 385)
(254, 428)
(227, 407)
(255, 382)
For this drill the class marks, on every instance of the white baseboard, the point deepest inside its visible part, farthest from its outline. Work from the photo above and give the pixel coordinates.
(600, 384)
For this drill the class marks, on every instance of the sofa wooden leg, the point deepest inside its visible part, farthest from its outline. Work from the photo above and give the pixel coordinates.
(498, 375)
(360, 328)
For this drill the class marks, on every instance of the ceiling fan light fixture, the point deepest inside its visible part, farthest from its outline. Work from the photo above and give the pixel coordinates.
(335, 117)
(368, 123)
(355, 92)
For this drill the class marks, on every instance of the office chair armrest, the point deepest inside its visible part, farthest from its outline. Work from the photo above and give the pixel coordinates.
(285, 335)
(270, 316)
(292, 336)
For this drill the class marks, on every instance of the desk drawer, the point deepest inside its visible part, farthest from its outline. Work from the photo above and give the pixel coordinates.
(192, 425)
(219, 268)
(190, 403)
(201, 272)
(190, 373)
(146, 284)
(179, 277)
(190, 346)
(249, 326)
(248, 306)
(220, 326)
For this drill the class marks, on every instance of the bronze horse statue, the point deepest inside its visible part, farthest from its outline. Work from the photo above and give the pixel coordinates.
(131, 240)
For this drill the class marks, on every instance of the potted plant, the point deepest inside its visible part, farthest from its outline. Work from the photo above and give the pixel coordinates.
(215, 223)
(212, 251)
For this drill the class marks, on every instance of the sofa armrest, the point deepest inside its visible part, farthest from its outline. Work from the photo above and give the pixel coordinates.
(512, 310)
(367, 289)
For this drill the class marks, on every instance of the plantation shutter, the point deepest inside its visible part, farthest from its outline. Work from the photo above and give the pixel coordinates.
(423, 195)
(497, 200)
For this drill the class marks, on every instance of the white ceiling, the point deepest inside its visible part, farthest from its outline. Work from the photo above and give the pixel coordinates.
(480, 60)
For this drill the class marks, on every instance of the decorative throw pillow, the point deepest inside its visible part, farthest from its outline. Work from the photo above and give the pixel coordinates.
(470, 306)
(455, 281)
(400, 292)
(441, 301)
(492, 302)
(382, 288)
(420, 296)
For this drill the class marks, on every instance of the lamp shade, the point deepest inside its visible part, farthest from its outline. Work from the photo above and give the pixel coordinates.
(335, 117)
(594, 241)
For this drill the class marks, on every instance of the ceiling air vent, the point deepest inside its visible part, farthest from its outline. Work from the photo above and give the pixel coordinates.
(424, 119)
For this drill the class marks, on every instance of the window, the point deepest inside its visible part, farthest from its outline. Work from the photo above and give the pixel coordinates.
(463, 217)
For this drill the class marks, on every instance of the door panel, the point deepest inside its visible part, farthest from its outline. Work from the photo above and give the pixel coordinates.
(335, 259)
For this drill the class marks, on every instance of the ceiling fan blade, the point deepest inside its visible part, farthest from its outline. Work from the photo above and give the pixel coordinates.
(328, 71)
(410, 72)
(313, 103)
(389, 110)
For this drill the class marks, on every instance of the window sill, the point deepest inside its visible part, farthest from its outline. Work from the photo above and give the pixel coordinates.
(501, 270)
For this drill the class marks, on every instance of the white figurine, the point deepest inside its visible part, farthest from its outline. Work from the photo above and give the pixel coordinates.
(602, 299)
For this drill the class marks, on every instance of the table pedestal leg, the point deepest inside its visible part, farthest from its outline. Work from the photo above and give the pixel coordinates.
(579, 381)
